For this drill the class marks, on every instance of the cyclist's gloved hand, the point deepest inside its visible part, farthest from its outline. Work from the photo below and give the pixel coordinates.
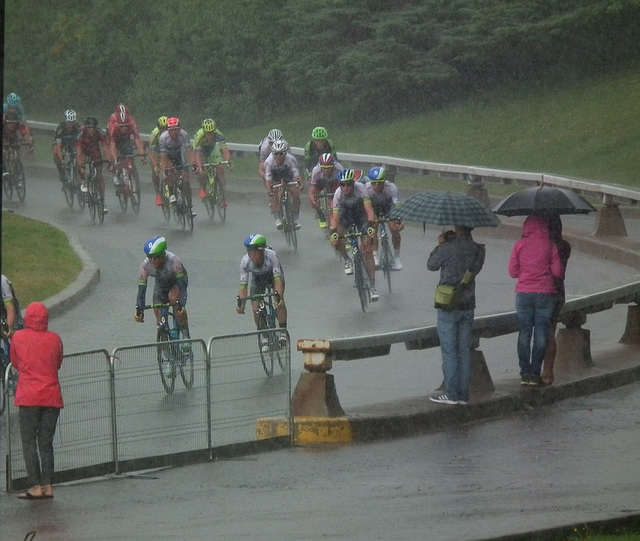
(333, 237)
(240, 306)
(139, 316)
(371, 231)
(229, 166)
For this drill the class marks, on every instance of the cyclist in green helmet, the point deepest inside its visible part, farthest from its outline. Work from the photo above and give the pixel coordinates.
(318, 145)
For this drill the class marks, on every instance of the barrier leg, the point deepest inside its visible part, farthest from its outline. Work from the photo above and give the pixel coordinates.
(609, 222)
(632, 330)
(573, 349)
(315, 396)
(481, 382)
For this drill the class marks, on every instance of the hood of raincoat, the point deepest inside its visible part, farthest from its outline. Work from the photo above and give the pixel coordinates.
(535, 226)
(36, 317)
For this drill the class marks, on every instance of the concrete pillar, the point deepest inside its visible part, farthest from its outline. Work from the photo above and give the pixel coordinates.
(477, 190)
(481, 382)
(573, 349)
(632, 330)
(609, 221)
(315, 395)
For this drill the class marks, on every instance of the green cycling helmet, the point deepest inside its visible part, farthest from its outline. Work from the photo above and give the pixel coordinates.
(319, 133)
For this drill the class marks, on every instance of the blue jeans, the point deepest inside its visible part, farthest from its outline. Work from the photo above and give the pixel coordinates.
(534, 312)
(455, 332)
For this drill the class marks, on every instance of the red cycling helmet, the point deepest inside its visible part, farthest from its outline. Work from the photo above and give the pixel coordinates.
(173, 122)
(123, 114)
(327, 160)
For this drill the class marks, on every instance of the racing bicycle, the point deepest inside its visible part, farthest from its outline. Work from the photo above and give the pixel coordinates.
(286, 212)
(271, 343)
(353, 237)
(182, 206)
(385, 253)
(93, 198)
(69, 185)
(215, 199)
(8, 375)
(173, 357)
(128, 182)
(13, 172)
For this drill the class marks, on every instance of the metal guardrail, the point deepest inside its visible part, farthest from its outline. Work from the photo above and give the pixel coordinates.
(608, 193)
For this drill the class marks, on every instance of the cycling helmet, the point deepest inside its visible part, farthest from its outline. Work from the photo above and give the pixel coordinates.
(91, 122)
(11, 116)
(378, 174)
(162, 122)
(70, 115)
(255, 242)
(347, 175)
(279, 146)
(326, 161)
(122, 113)
(208, 125)
(155, 247)
(319, 133)
(173, 122)
(274, 135)
(13, 99)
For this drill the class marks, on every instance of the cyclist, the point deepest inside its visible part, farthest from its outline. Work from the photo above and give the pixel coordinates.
(175, 146)
(10, 310)
(123, 131)
(210, 145)
(281, 166)
(318, 145)
(263, 264)
(14, 103)
(171, 281)
(323, 176)
(154, 149)
(352, 206)
(264, 148)
(64, 140)
(12, 129)
(384, 196)
(88, 142)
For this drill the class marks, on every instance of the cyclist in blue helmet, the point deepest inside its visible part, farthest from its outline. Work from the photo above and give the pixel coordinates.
(171, 281)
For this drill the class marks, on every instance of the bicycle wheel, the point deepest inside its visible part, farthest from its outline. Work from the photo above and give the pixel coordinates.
(186, 369)
(166, 206)
(274, 338)
(386, 260)
(289, 227)
(121, 193)
(92, 204)
(100, 208)
(188, 215)
(265, 347)
(69, 183)
(359, 271)
(135, 191)
(7, 184)
(166, 358)
(221, 201)
(20, 180)
(179, 210)
(3, 398)
(209, 203)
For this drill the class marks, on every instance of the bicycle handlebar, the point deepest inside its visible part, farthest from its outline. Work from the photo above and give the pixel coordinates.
(140, 309)
(257, 297)
(216, 163)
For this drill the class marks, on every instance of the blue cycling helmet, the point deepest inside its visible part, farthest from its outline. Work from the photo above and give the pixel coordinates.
(155, 247)
(13, 99)
(378, 174)
(347, 175)
(256, 241)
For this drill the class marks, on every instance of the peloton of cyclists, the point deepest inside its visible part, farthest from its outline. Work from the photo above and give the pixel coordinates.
(352, 206)
(64, 140)
(176, 151)
(209, 146)
(280, 167)
(154, 152)
(263, 265)
(318, 145)
(14, 103)
(123, 132)
(384, 196)
(171, 282)
(88, 143)
(323, 176)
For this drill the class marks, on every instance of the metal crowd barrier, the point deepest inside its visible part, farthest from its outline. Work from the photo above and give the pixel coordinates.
(118, 418)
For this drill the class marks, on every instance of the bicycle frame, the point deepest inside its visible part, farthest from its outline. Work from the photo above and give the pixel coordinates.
(385, 253)
(286, 212)
(215, 191)
(359, 270)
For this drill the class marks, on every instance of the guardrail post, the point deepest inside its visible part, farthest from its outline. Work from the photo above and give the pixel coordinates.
(609, 221)
(632, 330)
(573, 343)
(477, 190)
(315, 394)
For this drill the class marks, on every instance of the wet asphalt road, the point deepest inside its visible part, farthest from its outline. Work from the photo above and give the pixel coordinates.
(574, 461)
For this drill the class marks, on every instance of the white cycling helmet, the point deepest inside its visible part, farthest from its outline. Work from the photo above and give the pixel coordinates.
(279, 146)
(70, 115)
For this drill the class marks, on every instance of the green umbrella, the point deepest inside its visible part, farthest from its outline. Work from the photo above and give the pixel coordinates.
(445, 208)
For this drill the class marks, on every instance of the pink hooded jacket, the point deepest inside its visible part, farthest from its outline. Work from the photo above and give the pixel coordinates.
(37, 355)
(534, 260)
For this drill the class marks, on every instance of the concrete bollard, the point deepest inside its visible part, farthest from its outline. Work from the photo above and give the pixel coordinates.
(632, 330)
(609, 222)
(573, 349)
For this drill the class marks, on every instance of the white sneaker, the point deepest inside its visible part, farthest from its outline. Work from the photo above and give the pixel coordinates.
(282, 341)
(397, 264)
(278, 224)
(373, 294)
(172, 199)
(83, 187)
(296, 225)
(348, 267)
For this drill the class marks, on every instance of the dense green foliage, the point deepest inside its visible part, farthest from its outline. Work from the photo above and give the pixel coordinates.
(247, 62)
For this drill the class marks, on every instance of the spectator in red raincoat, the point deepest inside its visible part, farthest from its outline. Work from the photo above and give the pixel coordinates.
(37, 355)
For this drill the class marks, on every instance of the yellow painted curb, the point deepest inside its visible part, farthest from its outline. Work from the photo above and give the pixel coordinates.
(307, 430)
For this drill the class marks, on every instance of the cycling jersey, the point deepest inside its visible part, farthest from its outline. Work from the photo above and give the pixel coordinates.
(209, 150)
(117, 131)
(154, 139)
(89, 142)
(351, 208)
(263, 276)
(66, 133)
(320, 181)
(276, 173)
(384, 200)
(172, 273)
(175, 149)
(11, 130)
(9, 298)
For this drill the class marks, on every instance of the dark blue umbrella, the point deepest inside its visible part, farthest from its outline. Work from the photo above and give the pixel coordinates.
(543, 199)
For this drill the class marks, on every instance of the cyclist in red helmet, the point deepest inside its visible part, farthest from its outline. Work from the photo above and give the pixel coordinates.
(123, 133)
(12, 129)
